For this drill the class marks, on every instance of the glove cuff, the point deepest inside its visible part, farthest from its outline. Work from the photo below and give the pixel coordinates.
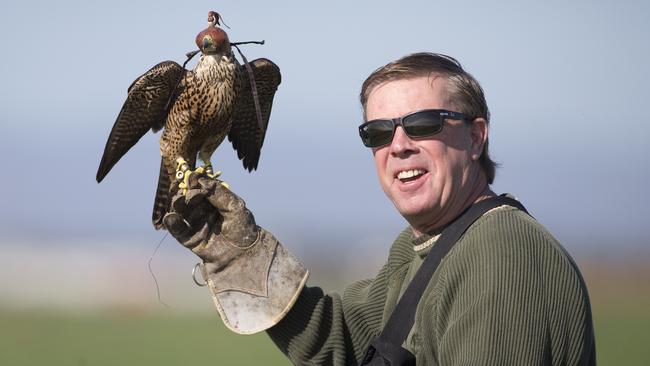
(256, 290)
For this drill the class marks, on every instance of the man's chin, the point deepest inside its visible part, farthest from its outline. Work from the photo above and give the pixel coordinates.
(412, 203)
(415, 212)
(411, 213)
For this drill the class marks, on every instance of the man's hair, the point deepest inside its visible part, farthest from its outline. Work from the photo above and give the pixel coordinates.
(463, 91)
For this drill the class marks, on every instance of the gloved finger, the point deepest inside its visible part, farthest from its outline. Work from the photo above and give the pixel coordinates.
(194, 196)
(238, 224)
(195, 191)
(192, 211)
(196, 211)
(227, 202)
(187, 235)
(202, 213)
(176, 225)
(188, 202)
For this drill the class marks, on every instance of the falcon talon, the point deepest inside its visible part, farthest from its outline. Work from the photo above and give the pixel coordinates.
(182, 165)
(181, 168)
(209, 172)
(215, 175)
(183, 184)
(212, 175)
(208, 169)
(185, 181)
(186, 178)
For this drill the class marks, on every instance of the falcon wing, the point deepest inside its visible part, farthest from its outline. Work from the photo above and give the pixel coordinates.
(245, 133)
(144, 109)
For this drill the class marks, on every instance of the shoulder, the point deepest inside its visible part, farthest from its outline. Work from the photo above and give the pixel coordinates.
(507, 247)
(510, 286)
(507, 233)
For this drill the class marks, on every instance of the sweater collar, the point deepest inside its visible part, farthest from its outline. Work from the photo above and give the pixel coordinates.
(423, 243)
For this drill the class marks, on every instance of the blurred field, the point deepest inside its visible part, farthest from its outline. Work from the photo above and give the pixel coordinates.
(128, 339)
(620, 300)
(622, 337)
(620, 295)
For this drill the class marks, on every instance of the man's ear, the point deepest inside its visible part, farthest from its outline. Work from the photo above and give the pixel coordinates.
(479, 133)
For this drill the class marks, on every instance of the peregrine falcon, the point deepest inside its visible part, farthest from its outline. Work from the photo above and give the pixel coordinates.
(197, 109)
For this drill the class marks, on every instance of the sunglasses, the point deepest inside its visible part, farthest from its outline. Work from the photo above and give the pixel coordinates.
(428, 122)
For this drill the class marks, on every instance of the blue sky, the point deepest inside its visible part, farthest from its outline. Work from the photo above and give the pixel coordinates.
(567, 84)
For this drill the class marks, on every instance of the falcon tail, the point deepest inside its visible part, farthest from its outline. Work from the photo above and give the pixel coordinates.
(163, 199)
(105, 165)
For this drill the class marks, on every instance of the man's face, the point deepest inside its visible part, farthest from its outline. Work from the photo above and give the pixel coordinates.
(445, 164)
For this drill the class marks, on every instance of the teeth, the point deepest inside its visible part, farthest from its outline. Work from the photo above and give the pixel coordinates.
(409, 173)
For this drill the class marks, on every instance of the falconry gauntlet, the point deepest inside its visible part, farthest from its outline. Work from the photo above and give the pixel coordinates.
(254, 280)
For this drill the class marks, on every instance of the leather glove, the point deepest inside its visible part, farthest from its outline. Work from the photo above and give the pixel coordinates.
(254, 280)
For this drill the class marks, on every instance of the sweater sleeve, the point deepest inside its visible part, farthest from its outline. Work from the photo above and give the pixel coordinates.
(510, 295)
(327, 329)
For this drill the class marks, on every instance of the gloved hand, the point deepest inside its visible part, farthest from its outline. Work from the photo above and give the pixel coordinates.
(213, 222)
(254, 280)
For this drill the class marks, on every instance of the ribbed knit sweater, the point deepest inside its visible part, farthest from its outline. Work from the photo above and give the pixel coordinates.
(506, 294)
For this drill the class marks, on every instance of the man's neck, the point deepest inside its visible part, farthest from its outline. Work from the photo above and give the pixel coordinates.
(480, 191)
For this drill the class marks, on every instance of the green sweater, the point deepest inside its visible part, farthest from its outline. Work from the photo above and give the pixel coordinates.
(506, 294)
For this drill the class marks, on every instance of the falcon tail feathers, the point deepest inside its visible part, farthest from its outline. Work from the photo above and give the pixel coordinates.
(163, 199)
(104, 168)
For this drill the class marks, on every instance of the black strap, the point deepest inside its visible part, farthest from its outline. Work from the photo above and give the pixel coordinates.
(401, 320)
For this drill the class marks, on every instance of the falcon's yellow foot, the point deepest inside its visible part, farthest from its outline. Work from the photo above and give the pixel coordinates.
(208, 171)
(182, 173)
(185, 182)
(214, 175)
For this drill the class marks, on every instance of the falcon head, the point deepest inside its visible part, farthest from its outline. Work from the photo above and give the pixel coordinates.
(213, 40)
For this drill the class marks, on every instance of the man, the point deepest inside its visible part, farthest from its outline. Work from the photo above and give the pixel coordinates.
(507, 293)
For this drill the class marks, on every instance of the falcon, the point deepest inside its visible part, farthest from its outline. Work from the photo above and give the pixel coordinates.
(196, 109)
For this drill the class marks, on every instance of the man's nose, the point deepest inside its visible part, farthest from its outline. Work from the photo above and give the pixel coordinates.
(402, 144)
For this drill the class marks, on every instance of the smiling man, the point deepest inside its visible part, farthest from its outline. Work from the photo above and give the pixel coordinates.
(430, 179)
(502, 291)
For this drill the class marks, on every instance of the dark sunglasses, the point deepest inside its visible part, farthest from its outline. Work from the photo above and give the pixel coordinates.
(422, 123)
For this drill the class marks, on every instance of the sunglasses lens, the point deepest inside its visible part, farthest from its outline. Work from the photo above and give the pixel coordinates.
(423, 123)
(419, 124)
(377, 133)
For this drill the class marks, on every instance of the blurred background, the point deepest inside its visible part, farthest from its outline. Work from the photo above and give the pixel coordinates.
(566, 82)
